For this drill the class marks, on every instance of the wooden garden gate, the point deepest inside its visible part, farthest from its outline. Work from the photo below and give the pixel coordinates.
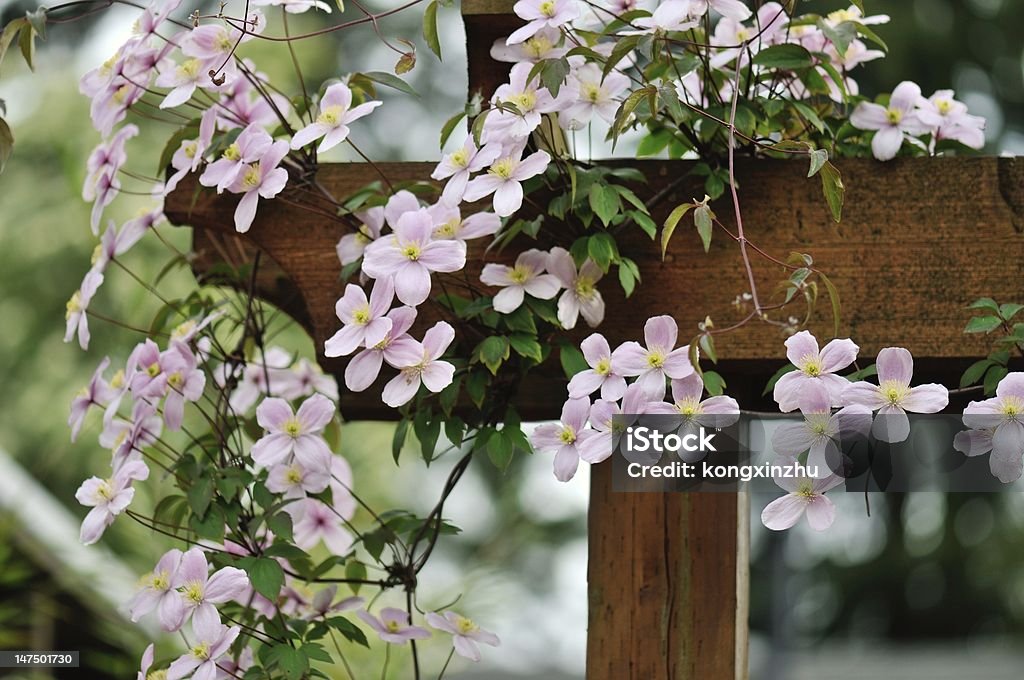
(667, 574)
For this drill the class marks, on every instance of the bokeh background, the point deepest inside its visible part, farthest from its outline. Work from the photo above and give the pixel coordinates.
(930, 586)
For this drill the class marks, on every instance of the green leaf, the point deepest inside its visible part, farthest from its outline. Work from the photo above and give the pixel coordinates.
(492, 352)
(670, 225)
(714, 383)
(1009, 310)
(200, 494)
(974, 372)
(554, 73)
(870, 34)
(398, 441)
(9, 33)
(604, 201)
(629, 105)
(984, 303)
(832, 186)
(627, 279)
(627, 194)
(449, 127)
(281, 525)
(526, 346)
(983, 324)
(702, 217)
(6, 143)
(645, 222)
(993, 377)
(405, 63)
(500, 450)
(348, 629)
(841, 35)
(430, 30)
(707, 345)
(392, 81)
(572, 360)
(27, 42)
(355, 570)
(623, 46)
(833, 296)
(293, 662)
(818, 159)
(789, 57)
(266, 576)
(601, 249)
(427, 429)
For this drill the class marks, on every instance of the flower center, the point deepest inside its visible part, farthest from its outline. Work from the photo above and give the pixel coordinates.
(591, 92)
(1012, 407)
(251, 179)
(449, 228)
(160, 581)
(524, 101)
(224, 43)
(96, 252)
(362, 315)
(233, 153)
(411, 251)
(465, 625)
(944, 106)
(201, 651)
(841, 15)
(190, 149)
(655, 359)
(189, 70)
(117, 382)
(742, 35)
(176, 380)
(74, 305)
(894, 116)
(812, 366)
(294, 476)
(292, 427)
(688, 407)
(584, 288)
(460, 158)
(519, 274)
(153, 370)
(157, 675)
(604, 366)
(122, 93)
(547, 8)
(805, 490)
(184, 329)
(104, 491)
(393, 626)
(893, 392)
(503, 168)
(194, 592)
(537, 46)
(331, 115)
(567, 435)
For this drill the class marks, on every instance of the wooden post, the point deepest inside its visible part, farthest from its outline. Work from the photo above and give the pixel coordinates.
(920, 239)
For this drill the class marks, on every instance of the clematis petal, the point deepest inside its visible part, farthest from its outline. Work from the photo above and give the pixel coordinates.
(783, 513)
(800, 347)
(895, 364)
(821, 513)
(930, 398)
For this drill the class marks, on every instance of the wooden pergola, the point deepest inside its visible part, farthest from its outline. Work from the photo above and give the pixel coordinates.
(668, 573)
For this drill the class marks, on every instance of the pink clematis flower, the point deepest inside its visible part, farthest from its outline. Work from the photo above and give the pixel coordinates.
(581, 295)
(351, 246)
(364, 321)
(185, 381)
(503, 179)
(263, 178)
(821, 431)
(145, 663)
(77, 307)
(315, 521)
(211, 641)
(465, 633)
(531, 101)
(159, 592)
(183, 79)
(106, 159)
(542, 14)
(730, 9)
(410, 255)
(893, 397)
(116, 242)
(189, 155)
(97, 393)
(659, 360)
(200, 590)
(420, 364)
(892, 122)
(949, 119)
(336, 113)
(457, 166)
(602, 373)
(365, 366)
(250, 146)
(526, 276)
(997, 427)
(806, 496)
(108, 498)
(297, 434)
(671, 15)
(812, 364)
(597, 95)
(294, 480)
(544, 44)
(566, 439)
(393, 626)
(448, 223)
(712, 413)
(600, 445)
